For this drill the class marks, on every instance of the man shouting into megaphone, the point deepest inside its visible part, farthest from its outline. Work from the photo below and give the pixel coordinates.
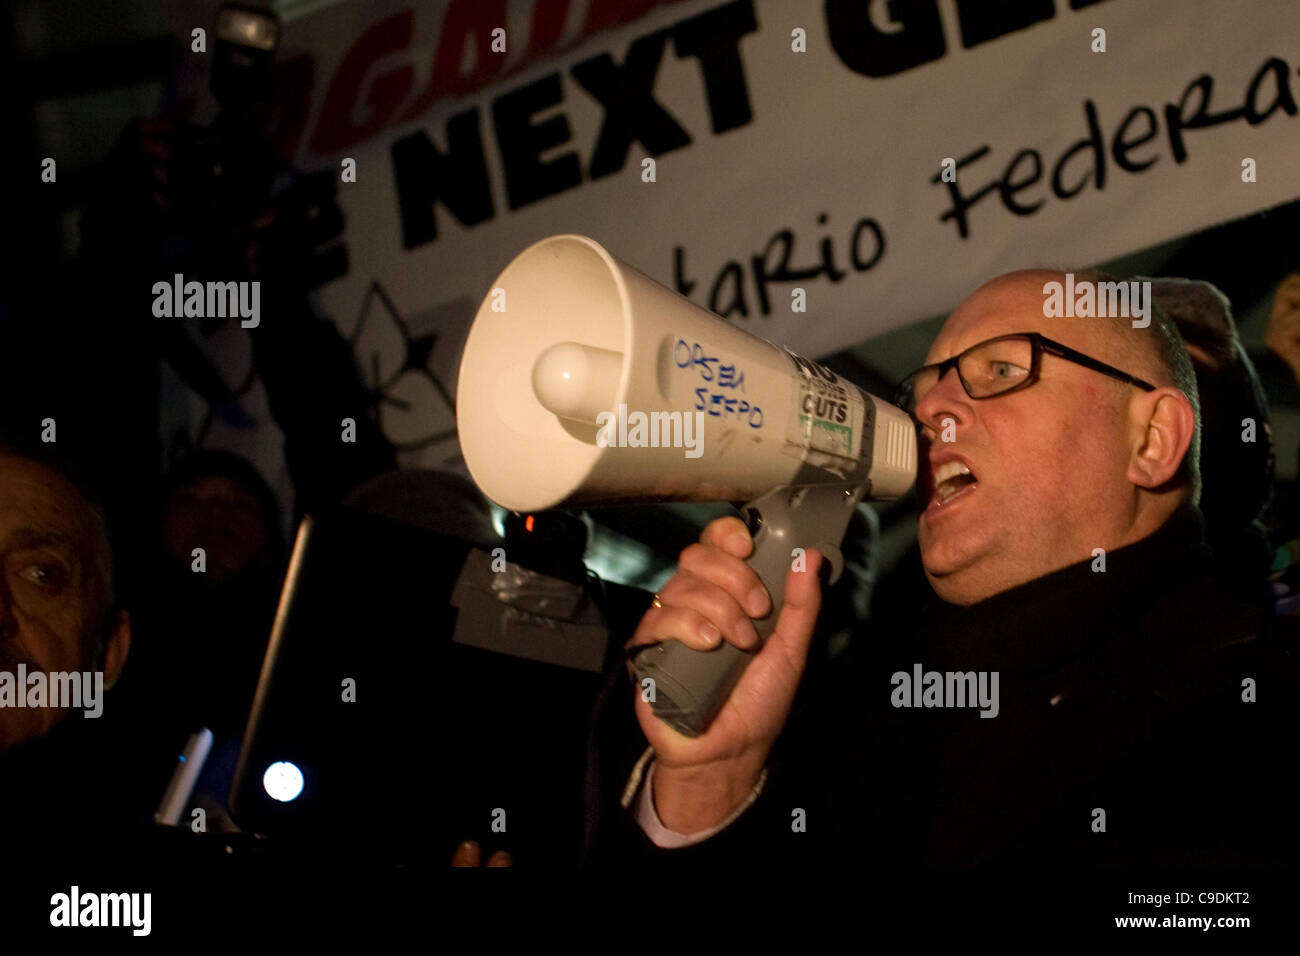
(1060, 703)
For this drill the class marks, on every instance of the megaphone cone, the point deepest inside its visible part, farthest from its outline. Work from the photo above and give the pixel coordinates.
(571, 342)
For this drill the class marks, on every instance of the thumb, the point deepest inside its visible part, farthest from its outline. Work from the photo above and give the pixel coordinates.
(798, 617)
(467, 854)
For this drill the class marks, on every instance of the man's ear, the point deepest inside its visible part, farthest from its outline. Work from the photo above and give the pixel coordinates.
(1163, 423)
(116, 649)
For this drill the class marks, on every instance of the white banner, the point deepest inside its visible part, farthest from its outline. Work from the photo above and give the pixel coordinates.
(749, 151)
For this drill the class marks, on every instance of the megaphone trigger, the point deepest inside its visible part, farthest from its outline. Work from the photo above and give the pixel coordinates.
(832, 566)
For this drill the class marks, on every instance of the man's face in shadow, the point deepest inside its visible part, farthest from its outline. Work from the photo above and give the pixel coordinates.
(54, 558)
(221, 516)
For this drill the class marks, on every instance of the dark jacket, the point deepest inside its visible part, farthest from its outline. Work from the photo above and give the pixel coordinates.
(85, 786)
(1119, 691)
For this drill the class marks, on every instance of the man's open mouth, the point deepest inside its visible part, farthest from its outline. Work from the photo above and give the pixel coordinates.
(951, 479)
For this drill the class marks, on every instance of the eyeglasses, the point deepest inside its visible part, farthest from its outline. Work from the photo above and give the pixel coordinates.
(999, 366)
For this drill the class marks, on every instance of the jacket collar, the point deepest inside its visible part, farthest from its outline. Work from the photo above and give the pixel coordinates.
(1041, 623)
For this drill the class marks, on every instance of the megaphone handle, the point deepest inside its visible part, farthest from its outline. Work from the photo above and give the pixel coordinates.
(686, 688)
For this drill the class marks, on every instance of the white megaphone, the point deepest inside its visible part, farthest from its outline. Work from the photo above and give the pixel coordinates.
(585, 382)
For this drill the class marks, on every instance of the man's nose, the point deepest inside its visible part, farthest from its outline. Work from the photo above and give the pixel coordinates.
(947, 399)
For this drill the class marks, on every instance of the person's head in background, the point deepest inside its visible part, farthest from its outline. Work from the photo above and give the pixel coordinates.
(217, 501)
(59, 610)
(1237, 441)
(1080, 459)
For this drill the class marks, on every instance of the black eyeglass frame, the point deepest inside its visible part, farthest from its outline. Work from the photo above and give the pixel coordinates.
(1038, 345)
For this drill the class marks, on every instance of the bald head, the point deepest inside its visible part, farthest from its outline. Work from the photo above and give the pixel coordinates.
(1151, 350)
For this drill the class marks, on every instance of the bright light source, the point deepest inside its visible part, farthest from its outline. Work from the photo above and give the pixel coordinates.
(283, 781)
(248, 28)
(498, 518)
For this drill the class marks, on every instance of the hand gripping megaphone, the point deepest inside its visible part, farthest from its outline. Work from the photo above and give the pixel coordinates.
(584, 382)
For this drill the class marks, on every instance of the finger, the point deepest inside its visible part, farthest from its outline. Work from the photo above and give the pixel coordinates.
(798, 617)
(730, 534)
(675, 622)
(729, 573)
(500, 858)
(717, 605)
(467, 854)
